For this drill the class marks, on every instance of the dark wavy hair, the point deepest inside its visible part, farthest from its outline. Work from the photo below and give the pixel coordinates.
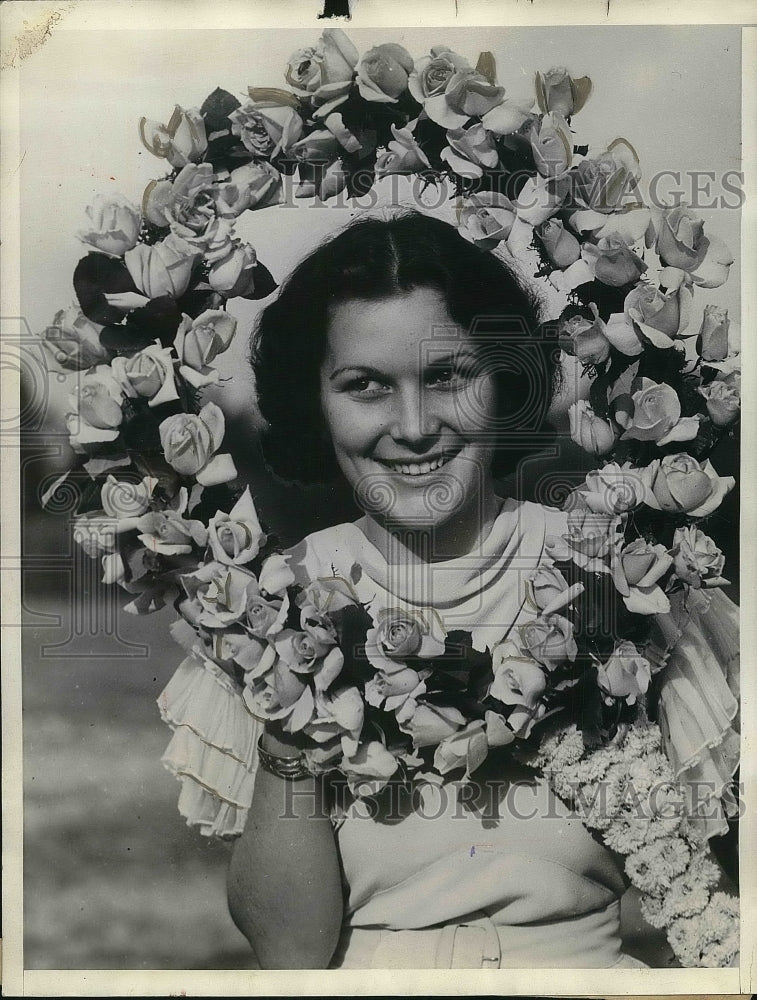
(374, 259)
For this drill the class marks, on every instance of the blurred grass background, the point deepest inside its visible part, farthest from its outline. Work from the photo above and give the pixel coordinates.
(113, 878)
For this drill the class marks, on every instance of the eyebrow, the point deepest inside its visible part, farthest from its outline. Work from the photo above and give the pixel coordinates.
(441, 359)
(365, 370)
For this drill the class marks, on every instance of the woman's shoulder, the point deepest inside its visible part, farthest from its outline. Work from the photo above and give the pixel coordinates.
(532, 515)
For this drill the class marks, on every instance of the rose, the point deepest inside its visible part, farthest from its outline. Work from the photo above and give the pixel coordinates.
(73, 341)
(184, 203)
(427, 724)
(317, 147)
(557, 90)
(187, 202)
(599, 183)
(199, 342)
(96, 413)
(234, 275)
(560, 246)
(253, 185)
(680, 238)
(216, 242)
(613, 262)
(368, 769)
(585, 338)
(168, 533)
(636, 573)
(467, 748)
(317, 182)
(551, 145)
(182, 141)
(337, 715)
(306, 655)
(190, 442)
(403, 155)
(148, 373)
(164, 268)
(518, 679)
(549, 639)
(712, 342)
(486, 219)
(219, 592)
(469, 150)
(383, 72)
(316, 623)
(540, 198)
(681, 243)
(590, 540)
(399, 634)
(95, 533)
(324, 73)
(653, 413)
(265, 617)
(625, 674)
(433, 72)
(613, 489)
(659, 315)
(680, 484)
(723, 398)
(469, 94)
(268, 124)
(589, 431)
(236, 538)
(696, 558)
(629, 223)
(113, 226)
(123, 499)
(547, 585)
(391, 690)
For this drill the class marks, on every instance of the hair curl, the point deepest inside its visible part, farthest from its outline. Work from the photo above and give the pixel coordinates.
(374, 259)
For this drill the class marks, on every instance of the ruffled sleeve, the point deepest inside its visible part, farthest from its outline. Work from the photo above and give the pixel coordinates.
(698, 708)
(213, 750)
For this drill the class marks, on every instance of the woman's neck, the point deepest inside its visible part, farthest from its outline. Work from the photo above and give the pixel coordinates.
(457, 536)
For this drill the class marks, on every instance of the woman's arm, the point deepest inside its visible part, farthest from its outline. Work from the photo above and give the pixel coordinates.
(284, 886)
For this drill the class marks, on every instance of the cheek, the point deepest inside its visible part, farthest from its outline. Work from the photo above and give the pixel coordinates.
(477, 410)
(352, 431)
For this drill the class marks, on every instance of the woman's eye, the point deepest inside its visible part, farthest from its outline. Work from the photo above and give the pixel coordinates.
(445, 378)
(366, 387)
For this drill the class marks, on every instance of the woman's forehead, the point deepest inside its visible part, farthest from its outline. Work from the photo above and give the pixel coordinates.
(414, 324)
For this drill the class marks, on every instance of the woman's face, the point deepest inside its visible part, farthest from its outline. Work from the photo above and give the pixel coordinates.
(410, 410)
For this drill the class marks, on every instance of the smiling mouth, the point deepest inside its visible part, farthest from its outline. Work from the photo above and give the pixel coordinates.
(418, 468)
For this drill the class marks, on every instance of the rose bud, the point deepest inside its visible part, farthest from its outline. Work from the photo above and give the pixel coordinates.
(589, 431)
(626, 674)
(723, 398)
(73, 341)
(557, 90)
(162, 269)
(585, 339)
(713, 334)
(562, 248)
(552, 145)
(182, 141)
(403, 155)
(114, 225)
(383, 72)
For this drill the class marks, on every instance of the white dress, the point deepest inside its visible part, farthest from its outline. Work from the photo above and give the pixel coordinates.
(444, 886)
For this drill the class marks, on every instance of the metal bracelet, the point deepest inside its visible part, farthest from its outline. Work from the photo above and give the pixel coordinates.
(288, 768)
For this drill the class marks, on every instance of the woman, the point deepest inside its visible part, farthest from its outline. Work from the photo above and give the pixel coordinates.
(410, 362)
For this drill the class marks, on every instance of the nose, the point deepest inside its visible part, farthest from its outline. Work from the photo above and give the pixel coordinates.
(414, 421)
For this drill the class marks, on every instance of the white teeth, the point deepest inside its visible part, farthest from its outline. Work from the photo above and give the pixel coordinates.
(419, 469)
